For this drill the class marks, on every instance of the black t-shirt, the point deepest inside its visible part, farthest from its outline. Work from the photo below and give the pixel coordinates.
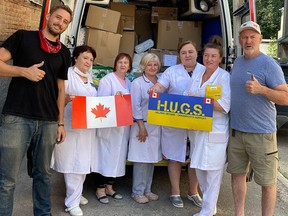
(28, 99)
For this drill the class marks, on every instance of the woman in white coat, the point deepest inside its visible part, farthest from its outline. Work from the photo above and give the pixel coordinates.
(112, 143)
(144, 144)
(208, 150)
(175, 80)
(73, 156)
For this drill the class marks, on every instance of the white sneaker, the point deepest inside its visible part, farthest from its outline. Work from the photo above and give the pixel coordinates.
(83, 200)
(74, 211)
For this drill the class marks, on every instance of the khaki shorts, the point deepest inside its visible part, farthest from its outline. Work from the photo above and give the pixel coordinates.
(258, 149)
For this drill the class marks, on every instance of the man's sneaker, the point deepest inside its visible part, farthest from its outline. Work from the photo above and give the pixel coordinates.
(196, 199)
(176, 201)
(140, 198)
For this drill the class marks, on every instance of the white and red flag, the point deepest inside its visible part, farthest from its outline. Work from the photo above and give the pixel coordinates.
(154, 95)
(101, 112)
(208, 101)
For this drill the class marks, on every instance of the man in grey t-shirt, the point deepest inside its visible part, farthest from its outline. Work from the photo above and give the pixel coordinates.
(257, 83)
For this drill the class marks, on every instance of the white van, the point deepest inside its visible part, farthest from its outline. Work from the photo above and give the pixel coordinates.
(153, 20)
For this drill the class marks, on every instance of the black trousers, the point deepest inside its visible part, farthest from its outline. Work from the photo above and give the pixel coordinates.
(102, 181)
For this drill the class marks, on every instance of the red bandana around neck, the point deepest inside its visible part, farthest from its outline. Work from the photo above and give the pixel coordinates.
(47, 46)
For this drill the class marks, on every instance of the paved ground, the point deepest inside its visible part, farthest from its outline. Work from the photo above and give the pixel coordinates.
(162, 207)
(283, 151)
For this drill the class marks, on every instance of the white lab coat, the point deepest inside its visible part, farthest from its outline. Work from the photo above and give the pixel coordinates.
(74, 154)
(208, 149)
(111, 143)
(174, 141)
(150, 150)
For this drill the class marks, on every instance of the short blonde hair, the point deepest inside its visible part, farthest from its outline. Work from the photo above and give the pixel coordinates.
(147, 58)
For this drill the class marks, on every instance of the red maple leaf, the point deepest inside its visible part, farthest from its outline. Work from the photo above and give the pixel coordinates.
(99, 111)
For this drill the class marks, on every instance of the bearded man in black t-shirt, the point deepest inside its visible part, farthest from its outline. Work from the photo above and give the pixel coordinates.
(34, 108)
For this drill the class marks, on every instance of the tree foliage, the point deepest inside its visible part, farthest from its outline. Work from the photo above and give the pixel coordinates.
(272, 48)
(268, 16)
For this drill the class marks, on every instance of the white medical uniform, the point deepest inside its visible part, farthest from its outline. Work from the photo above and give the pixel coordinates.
(73, 156)
(208, 149)
(143, 154)
(150, 150)
(174, 141)
(111, 147)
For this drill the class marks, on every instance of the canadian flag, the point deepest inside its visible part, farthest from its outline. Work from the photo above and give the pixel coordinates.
(101, 112)
(154, 95)
(208, 100)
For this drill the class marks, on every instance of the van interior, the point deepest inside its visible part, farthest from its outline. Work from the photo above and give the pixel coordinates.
(141, 26)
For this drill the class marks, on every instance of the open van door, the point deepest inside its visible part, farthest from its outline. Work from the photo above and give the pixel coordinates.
(243, 11)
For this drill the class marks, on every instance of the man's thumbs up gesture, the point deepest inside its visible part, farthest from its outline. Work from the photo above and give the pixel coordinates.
(253, 86)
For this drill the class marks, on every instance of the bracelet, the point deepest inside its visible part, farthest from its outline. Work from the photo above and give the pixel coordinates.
(60, 125)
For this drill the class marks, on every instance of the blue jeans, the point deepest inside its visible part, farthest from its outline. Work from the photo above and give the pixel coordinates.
(16, 135)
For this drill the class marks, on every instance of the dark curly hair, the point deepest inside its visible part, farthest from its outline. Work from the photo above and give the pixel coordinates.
(80, 49)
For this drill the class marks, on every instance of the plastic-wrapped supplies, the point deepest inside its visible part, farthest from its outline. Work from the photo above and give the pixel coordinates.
(144, 46)
(99, 72)
(136, 70)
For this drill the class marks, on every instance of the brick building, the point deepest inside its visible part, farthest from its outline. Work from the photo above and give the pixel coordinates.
(18, 14)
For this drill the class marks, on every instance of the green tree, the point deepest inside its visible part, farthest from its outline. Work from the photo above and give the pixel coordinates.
(268, 16)
(272, 48)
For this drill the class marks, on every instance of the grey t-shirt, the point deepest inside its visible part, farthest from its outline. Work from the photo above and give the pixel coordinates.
(254, 113)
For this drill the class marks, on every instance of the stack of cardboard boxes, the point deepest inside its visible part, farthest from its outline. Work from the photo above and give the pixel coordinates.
(111, 31)
(163, 13)
(127, 26)
(114, 30)
(172, 32)
(178, 31)
(102, 27)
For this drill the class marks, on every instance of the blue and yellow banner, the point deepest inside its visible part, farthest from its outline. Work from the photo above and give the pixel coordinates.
(180, 111)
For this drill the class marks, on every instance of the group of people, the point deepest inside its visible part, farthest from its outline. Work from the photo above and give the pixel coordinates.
(207, 149)
(38, 110)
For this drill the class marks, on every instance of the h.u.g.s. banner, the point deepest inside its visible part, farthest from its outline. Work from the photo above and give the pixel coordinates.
(180, 111)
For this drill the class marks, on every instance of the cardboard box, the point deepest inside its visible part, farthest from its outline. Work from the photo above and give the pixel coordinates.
(120, 27)
(127, 42)
(106, 45)
(143, 27)
(127, 14)
(163, 13)
(103, 19)
(172, 33)
(167, 57)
